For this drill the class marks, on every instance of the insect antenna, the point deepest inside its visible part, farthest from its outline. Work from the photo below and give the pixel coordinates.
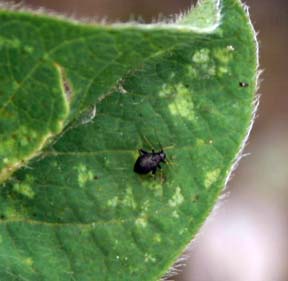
(169, 162)
(146, 141)
(149, 143)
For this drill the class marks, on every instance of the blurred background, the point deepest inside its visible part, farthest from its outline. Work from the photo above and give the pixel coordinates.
(246, 239)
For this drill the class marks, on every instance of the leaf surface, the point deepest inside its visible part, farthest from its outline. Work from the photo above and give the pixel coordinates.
(77, 211)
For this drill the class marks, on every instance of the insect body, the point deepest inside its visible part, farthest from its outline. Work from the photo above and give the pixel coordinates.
(243, 84)
(149, 161)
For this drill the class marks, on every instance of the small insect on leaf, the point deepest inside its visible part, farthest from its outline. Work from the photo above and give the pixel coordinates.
(149, 161)
(243, 84)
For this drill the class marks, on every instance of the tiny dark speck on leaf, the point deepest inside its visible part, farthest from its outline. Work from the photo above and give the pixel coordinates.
(96, 177)
(243, 84)
(2, 217)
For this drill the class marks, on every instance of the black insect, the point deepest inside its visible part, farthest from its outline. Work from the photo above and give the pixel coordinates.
(149, 161)
(243, 84)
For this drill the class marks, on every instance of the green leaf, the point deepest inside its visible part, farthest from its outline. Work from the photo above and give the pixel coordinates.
(77, 211)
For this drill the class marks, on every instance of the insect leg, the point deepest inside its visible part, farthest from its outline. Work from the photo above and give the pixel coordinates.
(159, 166)
(142, 152)
(147, 141)
(154, 171)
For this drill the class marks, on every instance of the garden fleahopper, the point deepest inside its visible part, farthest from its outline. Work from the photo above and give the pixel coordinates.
(243, 84)
(149, 161)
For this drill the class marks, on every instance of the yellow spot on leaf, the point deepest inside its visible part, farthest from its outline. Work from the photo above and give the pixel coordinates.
(10, 43)
(157, 238)
(11, 213)
(28, 49)
(182, 104)
(141, 221)
(177, 198)
(113, 202)
(28, 261)
(84, 175)
(200, 142)
(175, 214)
(149, 258)
(201, 56)
(211, 177)
(223, 55)
(128, 199)
(24, 189)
